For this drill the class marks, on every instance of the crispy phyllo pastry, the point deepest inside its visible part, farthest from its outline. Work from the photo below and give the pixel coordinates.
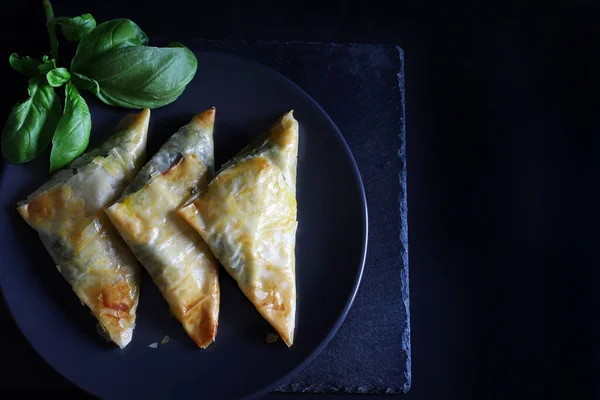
(67, 212)
(247, 216)
(175, 256)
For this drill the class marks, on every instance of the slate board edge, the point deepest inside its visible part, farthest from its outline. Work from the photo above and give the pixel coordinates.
(304, 387)
(402, 198)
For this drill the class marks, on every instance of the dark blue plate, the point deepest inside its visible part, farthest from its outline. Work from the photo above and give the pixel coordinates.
(330, 253)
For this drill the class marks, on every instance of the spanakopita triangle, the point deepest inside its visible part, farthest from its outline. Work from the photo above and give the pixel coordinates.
(247, 215)
(67, 212)
(175, 256)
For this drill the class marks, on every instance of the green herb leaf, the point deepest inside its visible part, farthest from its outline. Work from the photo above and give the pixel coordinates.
(85, 83)
(75, 28)
(58, 77)
(143, 77)
(47, 65)
(109, 35)
(73, 131)
(30, 124)
(25, 65)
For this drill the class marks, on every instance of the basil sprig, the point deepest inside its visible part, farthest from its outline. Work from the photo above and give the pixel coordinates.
(113, 62)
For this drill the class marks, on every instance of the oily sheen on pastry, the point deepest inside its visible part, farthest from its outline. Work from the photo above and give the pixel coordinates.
(175, 256)
(67, 212)
(247, 215)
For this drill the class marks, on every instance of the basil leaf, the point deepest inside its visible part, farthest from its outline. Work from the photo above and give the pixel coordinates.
(143, 77)
(75, 28)
(58, 77)
(26, 65)
(73, 131)
(85, 83)
(47, 65)
(109, 35)
(30, 124)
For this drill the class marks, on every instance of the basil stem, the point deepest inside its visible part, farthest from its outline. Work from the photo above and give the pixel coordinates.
(51, 28)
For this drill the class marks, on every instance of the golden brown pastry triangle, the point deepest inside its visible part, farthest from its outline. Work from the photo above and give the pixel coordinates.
(177, 259)
(67, 213)
(247, 216)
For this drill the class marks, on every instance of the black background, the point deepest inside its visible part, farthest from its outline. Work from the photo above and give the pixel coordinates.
(502, 133)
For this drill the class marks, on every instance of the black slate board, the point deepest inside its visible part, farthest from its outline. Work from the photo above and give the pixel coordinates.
(362, 88)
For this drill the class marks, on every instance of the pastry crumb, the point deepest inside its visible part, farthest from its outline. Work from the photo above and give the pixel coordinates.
(165, 340)
(154, 345)
(271, 338)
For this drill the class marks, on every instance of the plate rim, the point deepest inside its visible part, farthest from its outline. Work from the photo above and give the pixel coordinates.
(357, 279)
